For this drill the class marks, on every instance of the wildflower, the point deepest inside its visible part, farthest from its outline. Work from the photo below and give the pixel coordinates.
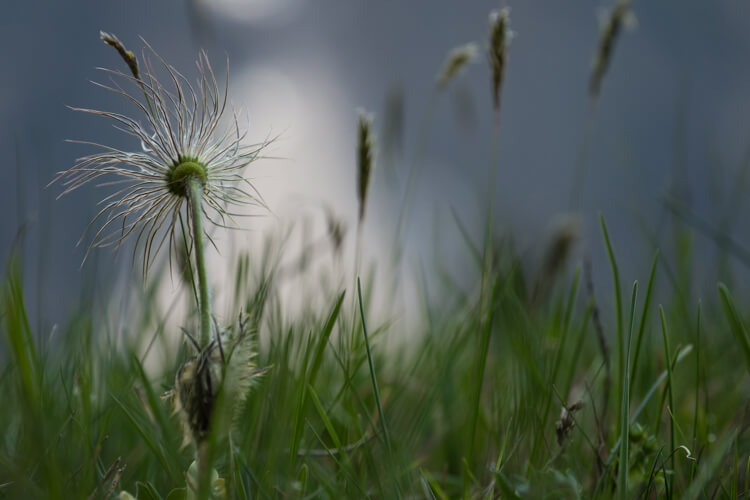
(185, 151)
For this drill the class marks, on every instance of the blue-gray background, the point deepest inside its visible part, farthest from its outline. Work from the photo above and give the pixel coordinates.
(673, 118)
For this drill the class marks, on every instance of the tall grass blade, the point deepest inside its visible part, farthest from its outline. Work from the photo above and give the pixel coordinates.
(482, 361)
(618, 307)
(644, 318)
(707, 468)
(737, 326)
(624, 469)
(670, 380)
(386, 436)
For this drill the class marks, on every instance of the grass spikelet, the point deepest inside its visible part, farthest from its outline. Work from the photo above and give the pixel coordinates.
(456, 60)
(365, 158)
(336, 229)
(618, 17)
(500, 36)
(559, 248)
(127, 55)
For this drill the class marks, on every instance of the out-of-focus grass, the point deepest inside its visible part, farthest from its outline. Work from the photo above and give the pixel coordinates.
(463, 407)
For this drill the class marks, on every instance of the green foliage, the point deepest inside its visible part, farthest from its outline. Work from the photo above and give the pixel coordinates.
(497, 389)
(347, 416)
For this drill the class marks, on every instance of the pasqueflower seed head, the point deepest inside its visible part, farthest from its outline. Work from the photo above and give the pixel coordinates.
(185, 136)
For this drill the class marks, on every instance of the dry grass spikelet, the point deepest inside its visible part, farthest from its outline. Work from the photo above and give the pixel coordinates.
(500, 37)
(565, 425)
(127, 55)
(456, 60)
(619, 16)
(559, 247)
(336, 230)
(365, 158)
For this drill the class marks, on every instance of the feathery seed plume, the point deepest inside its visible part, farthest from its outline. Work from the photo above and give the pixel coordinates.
(182, 138)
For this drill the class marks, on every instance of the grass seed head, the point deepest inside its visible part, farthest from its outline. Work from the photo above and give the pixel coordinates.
(613, 24)
(126, 54)
(499, 40)
(336, 231)
(456, 60)
(556, 255)
(365, 158)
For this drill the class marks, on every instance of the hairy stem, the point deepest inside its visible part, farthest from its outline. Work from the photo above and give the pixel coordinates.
(195, 190)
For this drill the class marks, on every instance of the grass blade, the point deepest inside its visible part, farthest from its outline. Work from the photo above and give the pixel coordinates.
(708, 469)
(618, 307)
(644, 317)
(622, 481)
(482, 362)
(665, 332)
(386, 436)
(738, 327)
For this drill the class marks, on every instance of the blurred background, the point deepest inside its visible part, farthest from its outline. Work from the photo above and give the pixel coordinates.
(672, 124)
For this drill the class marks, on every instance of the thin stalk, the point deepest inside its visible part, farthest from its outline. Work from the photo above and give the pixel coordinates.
(669, 389)
(697, 387)
(624, 466)
(402, 222)
(372, 370)
(194, 197)
(618, 309)
(644, 316)
(482, 363)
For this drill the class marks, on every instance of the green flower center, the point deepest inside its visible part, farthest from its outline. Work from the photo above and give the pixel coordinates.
(180, 174)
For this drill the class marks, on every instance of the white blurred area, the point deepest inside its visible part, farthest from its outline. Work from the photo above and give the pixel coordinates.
(309, 174)
(252, 11)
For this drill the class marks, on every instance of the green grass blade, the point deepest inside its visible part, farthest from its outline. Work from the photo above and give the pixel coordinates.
(312, 373)
(19, 336)
(670, 380)
(323, 339)
(707, 468)
(637, 413)
(618, 308)
(644, 318)
(145, 435)
(482, 361)
(737, 326)
(386, 436)
(697, 382)
(624, 468)
(326, 420)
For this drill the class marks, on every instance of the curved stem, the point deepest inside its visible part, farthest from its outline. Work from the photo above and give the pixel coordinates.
(194, 197)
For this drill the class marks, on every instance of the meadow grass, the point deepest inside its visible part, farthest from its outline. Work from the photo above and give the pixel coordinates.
(527, 385)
